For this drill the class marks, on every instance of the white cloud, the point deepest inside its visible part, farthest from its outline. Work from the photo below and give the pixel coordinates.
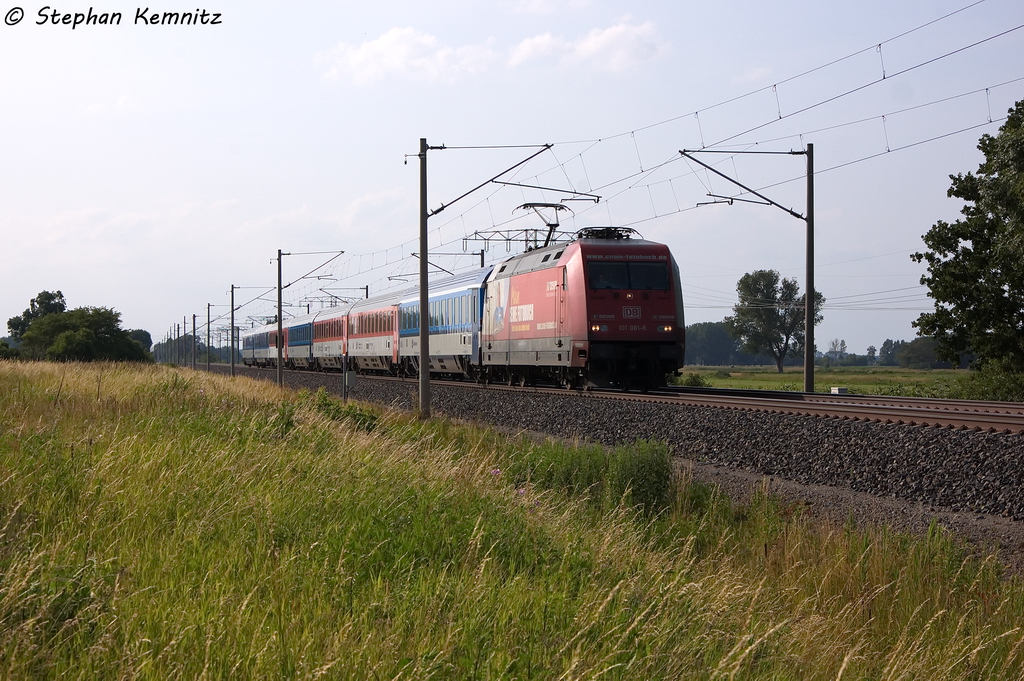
(614, 49)
(548, 6)
(542, 46)
(409, 53)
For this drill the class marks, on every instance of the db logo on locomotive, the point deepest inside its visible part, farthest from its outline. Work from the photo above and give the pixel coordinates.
(631, 312)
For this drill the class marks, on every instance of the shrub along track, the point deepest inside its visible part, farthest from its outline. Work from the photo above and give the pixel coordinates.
(868, 467)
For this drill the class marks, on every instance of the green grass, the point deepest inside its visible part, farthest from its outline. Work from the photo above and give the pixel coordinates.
(991, 383)
(160, 523)
(861, 380)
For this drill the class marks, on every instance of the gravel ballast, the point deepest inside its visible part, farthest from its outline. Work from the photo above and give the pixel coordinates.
(959, 470)
(916, 474)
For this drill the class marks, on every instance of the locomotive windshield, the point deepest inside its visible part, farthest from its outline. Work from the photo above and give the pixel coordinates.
(628, 275)
(648, 275)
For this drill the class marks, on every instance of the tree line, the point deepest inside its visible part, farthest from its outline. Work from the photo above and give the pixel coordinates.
(47, 329)
(712, 344)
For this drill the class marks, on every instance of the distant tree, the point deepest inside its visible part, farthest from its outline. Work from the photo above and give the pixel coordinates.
(709, 344)
(887, 355)
(852, 359)
(974, 264)
(769, 316)
(6, 351)
(142, 337)
(837, 350)
(920, 354)
(43, 304)
(872, 355)
(83, 334)
(74, 344)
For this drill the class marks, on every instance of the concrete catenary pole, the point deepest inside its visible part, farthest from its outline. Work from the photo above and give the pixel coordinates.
(809, 301)
(232, 330)
(208, 336)
(424, 293)
(280, 326)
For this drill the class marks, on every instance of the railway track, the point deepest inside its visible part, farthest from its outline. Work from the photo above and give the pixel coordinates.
(981, 416)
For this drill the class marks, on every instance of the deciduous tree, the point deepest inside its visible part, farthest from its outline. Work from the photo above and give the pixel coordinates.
(82, 334)
(142, 337)
(709, 344)
(43, 304)
(6, 351)
(769, 316)
(974, 264)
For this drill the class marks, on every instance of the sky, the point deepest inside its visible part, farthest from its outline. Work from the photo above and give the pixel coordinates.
(148, 167)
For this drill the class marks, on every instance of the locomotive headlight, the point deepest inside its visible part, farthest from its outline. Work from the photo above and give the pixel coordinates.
(598, 327)
(665, 328)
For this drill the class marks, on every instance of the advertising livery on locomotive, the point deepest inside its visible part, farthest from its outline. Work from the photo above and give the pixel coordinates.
(604, 310)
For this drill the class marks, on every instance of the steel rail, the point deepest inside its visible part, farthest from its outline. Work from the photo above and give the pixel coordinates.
(997, 417)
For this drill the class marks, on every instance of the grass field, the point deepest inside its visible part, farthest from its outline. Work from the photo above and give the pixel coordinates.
(861, 380)
(159, 523)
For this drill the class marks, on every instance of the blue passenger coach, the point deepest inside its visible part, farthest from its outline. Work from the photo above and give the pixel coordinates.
(299, 337)
(455, 307)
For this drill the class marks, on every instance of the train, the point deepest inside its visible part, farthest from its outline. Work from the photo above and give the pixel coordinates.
(603, 310)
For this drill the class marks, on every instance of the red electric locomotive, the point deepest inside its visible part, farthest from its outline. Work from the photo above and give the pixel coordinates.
(605, 310)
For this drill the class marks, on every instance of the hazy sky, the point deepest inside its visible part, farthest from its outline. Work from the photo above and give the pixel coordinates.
(149, 167)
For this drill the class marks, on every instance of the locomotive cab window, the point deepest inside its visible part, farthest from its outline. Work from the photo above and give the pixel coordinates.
(649, 275)
(608, 275)
(633, 275)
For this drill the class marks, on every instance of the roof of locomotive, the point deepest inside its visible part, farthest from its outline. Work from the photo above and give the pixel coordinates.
(530, 261)
(549, 256)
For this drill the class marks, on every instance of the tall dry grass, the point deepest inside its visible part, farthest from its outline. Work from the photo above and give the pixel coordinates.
(156, 522)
